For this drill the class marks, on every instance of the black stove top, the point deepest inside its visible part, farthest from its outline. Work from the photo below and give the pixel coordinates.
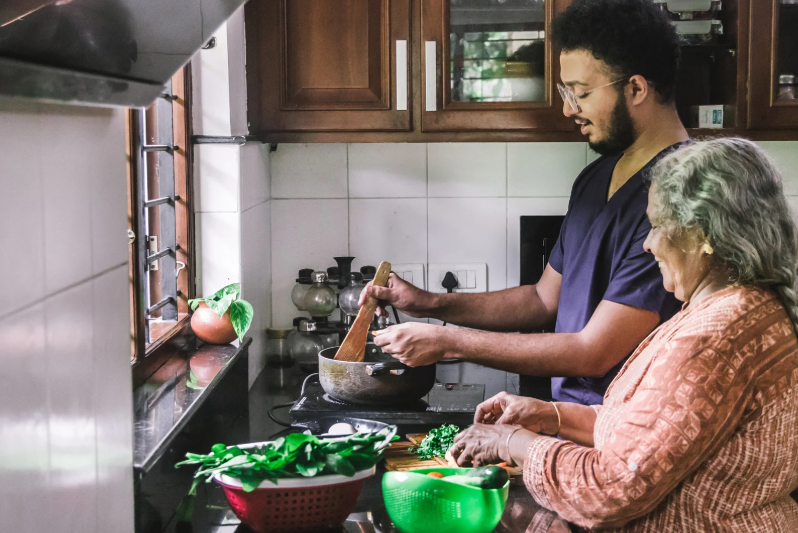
(452, 403)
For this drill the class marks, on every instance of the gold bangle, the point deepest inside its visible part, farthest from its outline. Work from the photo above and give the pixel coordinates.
(559, 420)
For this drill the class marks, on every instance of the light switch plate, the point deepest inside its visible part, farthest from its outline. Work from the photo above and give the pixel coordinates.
(471, 277)
(411, 273)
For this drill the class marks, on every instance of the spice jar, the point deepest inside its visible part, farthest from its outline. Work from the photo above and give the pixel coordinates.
(320, 300)
(304, 346)
(277, 354)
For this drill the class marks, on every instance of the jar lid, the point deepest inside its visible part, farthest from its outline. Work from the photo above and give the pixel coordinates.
(307, 325)
(304, 275)
(319, 277)
(787, 79)
(368, 271)
(274, 333)
(357, 277)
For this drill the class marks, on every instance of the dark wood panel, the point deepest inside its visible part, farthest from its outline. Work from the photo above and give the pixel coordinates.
(765, 111)
(318, 65)
(494, 136)
(337, 54)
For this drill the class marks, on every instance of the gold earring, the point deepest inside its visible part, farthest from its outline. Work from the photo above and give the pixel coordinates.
(707, 249)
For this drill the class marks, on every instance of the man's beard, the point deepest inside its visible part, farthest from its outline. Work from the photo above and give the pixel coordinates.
(621, 132)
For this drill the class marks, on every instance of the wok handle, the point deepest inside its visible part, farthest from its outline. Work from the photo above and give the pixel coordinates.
(396, 368)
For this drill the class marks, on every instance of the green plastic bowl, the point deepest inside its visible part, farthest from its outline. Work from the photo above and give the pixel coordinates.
(418, 503)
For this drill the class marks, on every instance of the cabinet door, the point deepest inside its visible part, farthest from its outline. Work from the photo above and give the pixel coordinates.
(323, 65)
(489, 65)
(774, 56)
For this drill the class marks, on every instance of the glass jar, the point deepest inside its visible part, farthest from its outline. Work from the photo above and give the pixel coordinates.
(320, 300)
(277, 355)
(304, 346)
(303, 283)
(348, 299)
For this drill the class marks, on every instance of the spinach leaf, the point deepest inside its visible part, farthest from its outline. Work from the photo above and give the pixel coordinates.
(437, 442)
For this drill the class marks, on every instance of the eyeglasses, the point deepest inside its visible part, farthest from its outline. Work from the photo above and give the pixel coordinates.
(568, 94)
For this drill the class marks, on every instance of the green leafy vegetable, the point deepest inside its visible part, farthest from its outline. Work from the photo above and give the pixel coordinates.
(297, 455)
(229, 298)
(437, 442)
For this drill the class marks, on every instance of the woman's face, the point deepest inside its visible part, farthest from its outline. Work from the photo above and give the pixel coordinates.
(681, 258)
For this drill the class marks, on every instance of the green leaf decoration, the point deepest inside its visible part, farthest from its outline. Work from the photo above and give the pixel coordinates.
(233, 288)
(194, 303)
(220, 307)
(241, 313)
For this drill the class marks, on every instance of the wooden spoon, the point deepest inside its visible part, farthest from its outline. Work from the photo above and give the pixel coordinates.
(354, 346)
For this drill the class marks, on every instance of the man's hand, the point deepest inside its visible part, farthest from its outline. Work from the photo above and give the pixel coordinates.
(530, 413)
(414, 344)
(404, 296)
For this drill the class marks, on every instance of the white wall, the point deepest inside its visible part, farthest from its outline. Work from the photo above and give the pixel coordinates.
(231, 186)
(65, 385)
(423, 203)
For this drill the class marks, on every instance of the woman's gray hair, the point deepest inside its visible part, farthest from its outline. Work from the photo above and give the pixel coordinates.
(732, 191)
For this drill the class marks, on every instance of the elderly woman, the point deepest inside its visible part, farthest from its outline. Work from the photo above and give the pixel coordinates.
(699, 431)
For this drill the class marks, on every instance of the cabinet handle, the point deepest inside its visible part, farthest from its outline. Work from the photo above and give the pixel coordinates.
(401, 75)
(431, 75)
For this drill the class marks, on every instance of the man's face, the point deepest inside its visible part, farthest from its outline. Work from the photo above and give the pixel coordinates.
(604, 115)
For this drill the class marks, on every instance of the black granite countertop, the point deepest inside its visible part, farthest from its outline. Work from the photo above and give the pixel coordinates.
(274, 386)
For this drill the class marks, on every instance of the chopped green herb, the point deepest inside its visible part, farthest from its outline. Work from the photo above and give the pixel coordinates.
(297, 455)
(437, 442)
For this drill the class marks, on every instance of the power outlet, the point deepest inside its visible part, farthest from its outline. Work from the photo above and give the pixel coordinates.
(471, 277)
(411, 272)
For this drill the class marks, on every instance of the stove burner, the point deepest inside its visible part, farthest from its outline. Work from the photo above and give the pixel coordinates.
(327, 398)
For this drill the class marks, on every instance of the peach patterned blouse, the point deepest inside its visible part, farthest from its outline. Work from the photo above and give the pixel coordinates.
(698, 432)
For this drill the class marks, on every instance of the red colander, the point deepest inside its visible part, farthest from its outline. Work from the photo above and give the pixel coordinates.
(295, 505)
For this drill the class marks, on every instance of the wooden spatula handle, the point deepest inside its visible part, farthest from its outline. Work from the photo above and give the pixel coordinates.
(354, 346)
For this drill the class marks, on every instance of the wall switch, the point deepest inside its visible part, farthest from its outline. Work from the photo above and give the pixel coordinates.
(411, 272)
(471, 277)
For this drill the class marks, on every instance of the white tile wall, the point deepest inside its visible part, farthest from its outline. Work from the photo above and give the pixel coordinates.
(378, 170)
(470, 230)
(256, 279)
(255, 174)
(216, 182)
(21, 209)
(393, 230)
(474, 195)
(219, 250)
(785, 153)
(305, 233)
(467, 169)
(543, 169)
(309, 171)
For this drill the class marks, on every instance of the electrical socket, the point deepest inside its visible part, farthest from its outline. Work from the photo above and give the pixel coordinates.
(471, 277)
(411, 273)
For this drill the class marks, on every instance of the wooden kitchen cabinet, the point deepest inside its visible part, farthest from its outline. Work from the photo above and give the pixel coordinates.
(328, 65)
(485, 70)
(488, 65)
(774, 56)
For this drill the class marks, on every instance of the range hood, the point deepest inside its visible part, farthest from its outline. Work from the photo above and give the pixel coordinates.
(101, 52)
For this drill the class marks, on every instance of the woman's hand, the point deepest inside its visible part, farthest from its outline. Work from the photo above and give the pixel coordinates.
(480, 444)
(530, 413)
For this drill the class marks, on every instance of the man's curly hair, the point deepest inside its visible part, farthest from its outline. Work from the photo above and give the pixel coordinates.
(633, 37)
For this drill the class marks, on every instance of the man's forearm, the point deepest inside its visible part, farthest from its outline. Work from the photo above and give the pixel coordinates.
(516, 309)
(543, 354)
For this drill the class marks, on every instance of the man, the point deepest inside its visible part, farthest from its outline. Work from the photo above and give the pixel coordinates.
(601, 291)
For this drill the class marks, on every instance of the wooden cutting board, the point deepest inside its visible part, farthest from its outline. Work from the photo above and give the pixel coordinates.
(399, 458)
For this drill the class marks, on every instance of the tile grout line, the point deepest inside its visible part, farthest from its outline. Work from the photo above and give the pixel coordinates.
(348, 208)
(426, 198)
(506, 214)
(59, 292)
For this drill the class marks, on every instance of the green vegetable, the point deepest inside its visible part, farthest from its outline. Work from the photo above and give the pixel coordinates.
(297, 455)
(241, 311)
(437, 442)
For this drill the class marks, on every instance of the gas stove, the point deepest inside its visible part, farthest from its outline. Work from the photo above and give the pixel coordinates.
(446, 403)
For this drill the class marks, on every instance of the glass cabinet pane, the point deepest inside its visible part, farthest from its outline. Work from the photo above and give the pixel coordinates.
(498, 50)
(787, 50)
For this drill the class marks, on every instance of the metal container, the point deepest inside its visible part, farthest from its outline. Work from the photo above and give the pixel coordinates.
(378, 380)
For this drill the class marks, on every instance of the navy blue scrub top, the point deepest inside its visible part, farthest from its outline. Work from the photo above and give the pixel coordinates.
(600, 256)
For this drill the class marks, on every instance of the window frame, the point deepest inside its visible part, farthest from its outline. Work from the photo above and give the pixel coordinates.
(147, 358)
